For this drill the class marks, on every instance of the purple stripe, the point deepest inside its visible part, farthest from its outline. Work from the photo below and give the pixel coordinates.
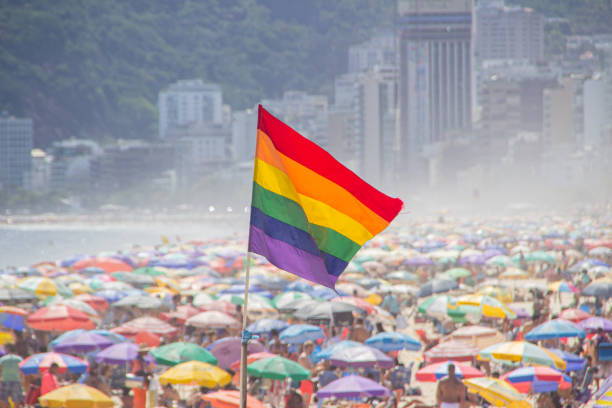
(290, 258)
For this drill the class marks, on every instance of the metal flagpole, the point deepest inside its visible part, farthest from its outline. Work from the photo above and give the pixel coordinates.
(246, 336)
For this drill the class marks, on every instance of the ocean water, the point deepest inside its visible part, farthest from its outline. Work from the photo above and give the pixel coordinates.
(26, 244)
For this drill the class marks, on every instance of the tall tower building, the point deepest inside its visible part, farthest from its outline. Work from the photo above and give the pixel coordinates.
(15, 152)
(435, 74)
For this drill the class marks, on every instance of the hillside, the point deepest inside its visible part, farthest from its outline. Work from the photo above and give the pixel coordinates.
(89, 68)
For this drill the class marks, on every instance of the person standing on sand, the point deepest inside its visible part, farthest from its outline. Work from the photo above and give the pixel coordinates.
(450, 392)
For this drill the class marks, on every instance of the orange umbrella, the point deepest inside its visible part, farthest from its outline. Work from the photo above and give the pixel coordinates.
(13, 310)
(230, 399)
(148, 338)
(59, 318)
(97, 302)
(107, 264)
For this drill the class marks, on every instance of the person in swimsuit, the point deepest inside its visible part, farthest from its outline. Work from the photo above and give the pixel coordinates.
(451, 391)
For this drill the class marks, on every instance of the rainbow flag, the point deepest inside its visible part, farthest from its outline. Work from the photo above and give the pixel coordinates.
(309, 213)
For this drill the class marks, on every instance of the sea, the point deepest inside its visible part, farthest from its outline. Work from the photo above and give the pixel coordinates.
(30, 243)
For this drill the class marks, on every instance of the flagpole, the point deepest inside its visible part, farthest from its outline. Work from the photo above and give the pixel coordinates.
(245, 336)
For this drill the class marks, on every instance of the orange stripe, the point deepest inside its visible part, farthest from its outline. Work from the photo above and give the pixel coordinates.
(313, 185)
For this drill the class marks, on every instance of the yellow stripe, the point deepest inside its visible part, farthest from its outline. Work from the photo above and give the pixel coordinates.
(273, 179)
(317, 187)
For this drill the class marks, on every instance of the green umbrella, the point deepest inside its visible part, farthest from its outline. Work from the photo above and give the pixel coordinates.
(535, 256)
(180, 352)
(456, 273)
(149, 271)
(278, 368)
(501, 260)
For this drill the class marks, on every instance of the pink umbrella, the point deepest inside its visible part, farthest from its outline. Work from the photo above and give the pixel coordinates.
(213, 320)
(150, 324)
(451, 350)
(434, 372)
(227, 350)
(361, 356)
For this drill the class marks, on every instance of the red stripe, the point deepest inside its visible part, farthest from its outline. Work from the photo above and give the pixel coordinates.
(293, 145)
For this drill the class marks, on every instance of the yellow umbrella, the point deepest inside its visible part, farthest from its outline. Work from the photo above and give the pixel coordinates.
(522, 352)
(605, 399)
(159, 291)
(374, 299)
(167, 282)
(196, 372)
(79, 288)
(497, 392)
(501, 294)
(76, 396)
(6, 337)
(489, 306)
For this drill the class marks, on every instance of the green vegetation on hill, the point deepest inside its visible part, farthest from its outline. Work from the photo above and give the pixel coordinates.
(90, 68)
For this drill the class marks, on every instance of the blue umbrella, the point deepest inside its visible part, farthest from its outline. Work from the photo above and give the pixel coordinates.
(82, 342)
(299, 286)
(267, 325)
(300, 333)
(573, 362)
(326, 353)
(325, 293)
(11, 321)
(555, 329)
(391, 341)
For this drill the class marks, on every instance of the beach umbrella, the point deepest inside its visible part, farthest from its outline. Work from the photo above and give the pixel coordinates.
(300, 333)
(202, 299)
(222, 306)
(278, 368)
(592, 324)
(148, 338)
(119, 353)
(213, 320)
(16, 295)
(497, 392)
(535, 379)
(392, 341)
(59, 318)
(436, 371)
(299, 286)
(149, 271)
(134, 279)
(264, 326)
(75, 304)
(563, 286)
(196, 372)
(76, 396)
(327, 352)
(500, 260)
(416, 261)
(297, 304)
(352, 386)
(437, 286)
(359, 303)
(37, 363)
(256, 300)
(599, 288)
(489, 307)
(230, 399)
(150, 324)
(82, 342)
(44, 287)
(477, 336)
(603, 400)
(555, 329)
(436, 306)
(139, 302)
(11, 317)
(455, 273)
(111, 295)
(235, 366)
(572, 361)
(574, 315)
(361, 356)
(181, 314)
(342, 289)
(451, 350)
(514, 273)
(227, 350)
(180, 352)
(497, 292)
(522, 352)
(107, 264)
(403, 276)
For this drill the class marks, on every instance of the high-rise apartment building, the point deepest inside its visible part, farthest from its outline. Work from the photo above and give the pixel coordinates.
(379, 50)
(189, 102)
(508, 32)
(435, 74)
(15, 152)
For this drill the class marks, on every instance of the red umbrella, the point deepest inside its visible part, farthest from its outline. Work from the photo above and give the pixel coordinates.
(108, 264)
(451, 350)
(59, 318)
(434, 372)
(220, 306)
(181, 313)
(574, 315)
(230, 399)
(148, 338)
(150, 324)
(97, 302)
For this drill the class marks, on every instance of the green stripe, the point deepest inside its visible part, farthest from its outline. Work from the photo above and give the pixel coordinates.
(290, 212)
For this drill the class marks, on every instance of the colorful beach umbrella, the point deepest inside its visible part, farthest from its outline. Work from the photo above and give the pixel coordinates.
(107, 264)
(497, 392)
(278, 368)
(263, 326)
(150, 324)
(196, 372)
(451, 350)
(44, 287)
(393, 341)
(436, 371)
(563, 286)
(119, 353)
(37, 363)
(361, 356)
(572, 361)
(522, 352)
(82, 342)
(574, 315)
(180, 352)
(352, 386)
(300, 333)
(535, 379)
(477, 336)
(488, 306)
(230, 399)
(11, 317)
(76, 396)
(59, 318)
(592, 324)
(227, 350)
(213, 319)
(327, 352)
(555, 329)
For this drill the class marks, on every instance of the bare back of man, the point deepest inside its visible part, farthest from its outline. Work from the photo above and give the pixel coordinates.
(451, 393)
